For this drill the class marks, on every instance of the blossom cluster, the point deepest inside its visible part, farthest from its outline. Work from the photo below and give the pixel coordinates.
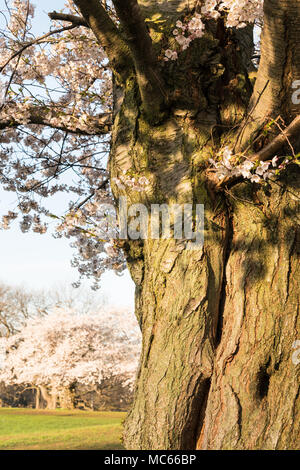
(226, 167)
(93, 229)
(23, 12)
(238, 15)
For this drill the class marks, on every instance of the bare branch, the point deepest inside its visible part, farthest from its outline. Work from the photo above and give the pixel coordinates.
(145, 60)
(75, 20)
(244, 125)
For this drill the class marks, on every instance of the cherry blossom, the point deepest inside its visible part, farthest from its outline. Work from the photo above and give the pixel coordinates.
(225, 167)
(63, 348)
(237, 15)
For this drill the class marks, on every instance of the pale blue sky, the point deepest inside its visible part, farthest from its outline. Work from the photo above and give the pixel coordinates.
(40, 261)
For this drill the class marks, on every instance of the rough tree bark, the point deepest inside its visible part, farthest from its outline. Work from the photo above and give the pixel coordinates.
(218, 323)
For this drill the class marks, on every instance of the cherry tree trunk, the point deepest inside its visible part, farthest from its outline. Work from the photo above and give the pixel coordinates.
(66, 397)
(44, 399)
(218, 327)
(37, 398)
(218, 323)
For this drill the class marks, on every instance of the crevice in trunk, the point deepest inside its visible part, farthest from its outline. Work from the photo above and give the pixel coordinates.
(263, 381)
(227, 251)
(263, 384)
(200, 416)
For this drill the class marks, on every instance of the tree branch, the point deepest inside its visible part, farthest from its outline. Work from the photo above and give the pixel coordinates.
(268, 152)
(279, 64)
(102, 185)
(145, 60)
(107, 35)
(98, 125)
(75, 20)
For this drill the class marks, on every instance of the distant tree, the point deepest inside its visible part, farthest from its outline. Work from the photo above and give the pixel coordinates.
(56, 353)
(80, 299)
(18, 304)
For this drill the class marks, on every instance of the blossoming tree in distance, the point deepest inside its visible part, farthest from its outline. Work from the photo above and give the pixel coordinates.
(187, 109)
(54, 353)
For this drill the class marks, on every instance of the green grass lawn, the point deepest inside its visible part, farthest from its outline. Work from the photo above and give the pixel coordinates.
(24, 428)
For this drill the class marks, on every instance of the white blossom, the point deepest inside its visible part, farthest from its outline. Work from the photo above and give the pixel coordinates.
(64, 348)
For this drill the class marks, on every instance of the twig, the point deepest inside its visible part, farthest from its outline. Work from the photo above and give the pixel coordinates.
(102, 185)
(249, 114)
